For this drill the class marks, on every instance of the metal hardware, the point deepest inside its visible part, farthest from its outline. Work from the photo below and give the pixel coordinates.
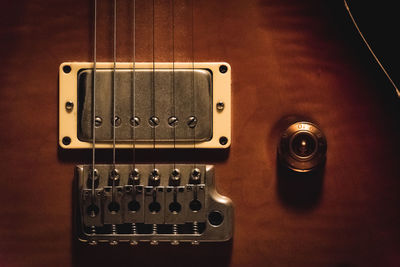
(175, 177)
(135, 121)
(154, 121)
(117, 121)
(134, 177)
(69, 106)
(172, 121)
(148, 213)
(220, 106)
(143, 107)
(98, 121)
(302, 147)
(192, 121)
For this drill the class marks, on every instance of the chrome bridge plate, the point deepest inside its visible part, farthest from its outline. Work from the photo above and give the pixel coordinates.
(139, 208)
(164, 91)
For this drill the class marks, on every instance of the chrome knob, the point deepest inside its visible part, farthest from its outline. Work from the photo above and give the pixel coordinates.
(302, 147)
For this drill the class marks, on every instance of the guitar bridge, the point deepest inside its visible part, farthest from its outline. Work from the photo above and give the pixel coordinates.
(151, 203)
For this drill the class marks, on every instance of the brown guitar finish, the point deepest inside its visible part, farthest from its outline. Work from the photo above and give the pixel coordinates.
(290, 60)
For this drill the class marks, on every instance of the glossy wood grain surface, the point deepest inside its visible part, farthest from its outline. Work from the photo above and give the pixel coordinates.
(290, 60)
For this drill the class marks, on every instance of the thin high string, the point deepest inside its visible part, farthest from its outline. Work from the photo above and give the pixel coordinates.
(193, 87)
(173, 76)
(134, 87)
(113, 88)
(94, 98)
(370, 49)
(153, 105)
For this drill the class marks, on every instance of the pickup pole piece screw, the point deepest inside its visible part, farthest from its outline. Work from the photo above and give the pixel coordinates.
(135, 121)
(172, 121)
(98, 121)
(117, 121)
(192, 121)
(154, 121)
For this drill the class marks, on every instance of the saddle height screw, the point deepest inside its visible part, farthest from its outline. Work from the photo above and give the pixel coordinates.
(195, 175)
(98, 121)
(172, 121)
(155, 177)
(114, 176)
(134, 177)
(192, 121)
(175, 176)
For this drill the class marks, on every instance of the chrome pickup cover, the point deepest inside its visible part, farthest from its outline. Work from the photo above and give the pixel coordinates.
(137, 209)
(153, 90)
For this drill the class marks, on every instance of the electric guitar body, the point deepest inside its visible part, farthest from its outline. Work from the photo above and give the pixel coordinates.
(309, 163)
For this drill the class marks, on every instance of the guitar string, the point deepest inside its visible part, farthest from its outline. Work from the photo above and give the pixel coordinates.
(153, 106)
(173, 78)
(94, 100)
(370, 49)
(113, 176)
(193, 88)
(134, 88)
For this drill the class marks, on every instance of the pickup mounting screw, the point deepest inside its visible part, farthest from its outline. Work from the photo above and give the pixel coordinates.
(192, 121)
(67, 69)
(220, 106)
(223, 68)
(223, 140)
(66, 140)
(69, 106)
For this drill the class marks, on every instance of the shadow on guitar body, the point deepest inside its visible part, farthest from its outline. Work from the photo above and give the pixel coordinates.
(299, 191)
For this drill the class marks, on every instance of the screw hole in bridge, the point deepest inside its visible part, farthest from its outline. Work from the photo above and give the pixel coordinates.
(66, 140)
(215, 218)
(175, 207)
(92, 210)
(134, 206)
(195, 205)
(154, 207)
(67, 69)
(113, 207)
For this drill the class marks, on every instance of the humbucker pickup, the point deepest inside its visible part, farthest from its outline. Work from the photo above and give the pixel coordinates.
(182, 105)
(151, 203)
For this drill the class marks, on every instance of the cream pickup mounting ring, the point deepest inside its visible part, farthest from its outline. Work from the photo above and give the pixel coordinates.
(184, 105)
